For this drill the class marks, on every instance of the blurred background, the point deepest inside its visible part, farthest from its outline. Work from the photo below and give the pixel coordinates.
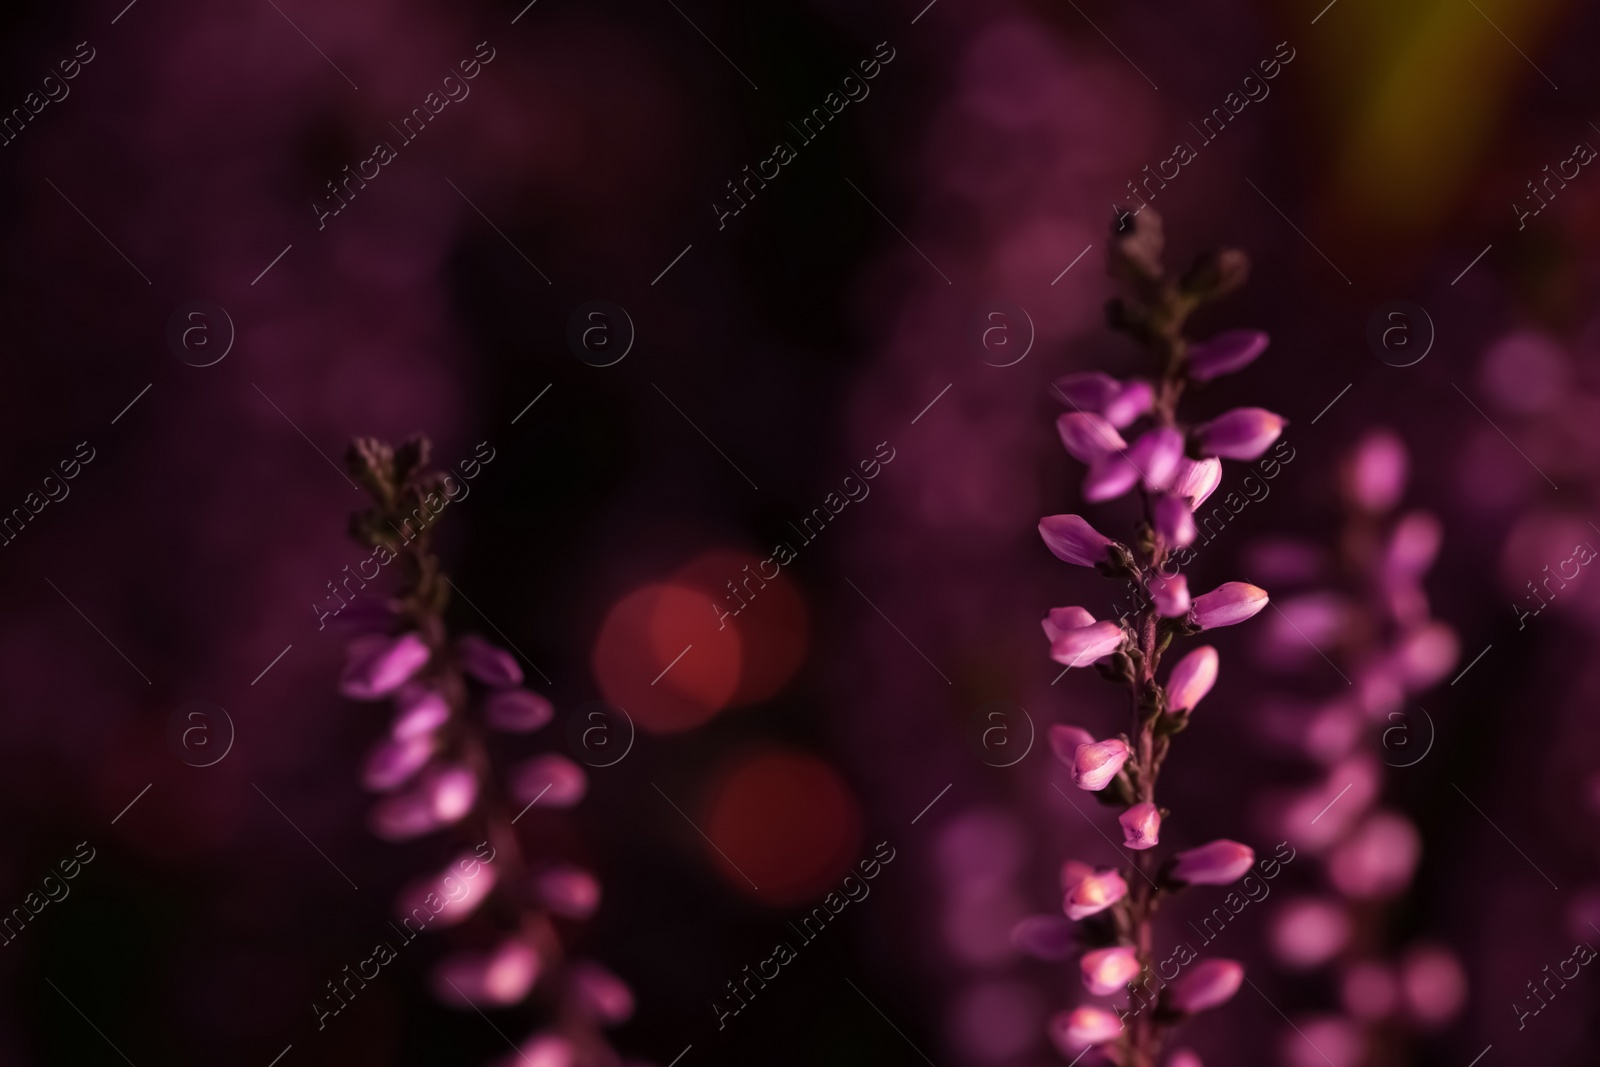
(165, 160)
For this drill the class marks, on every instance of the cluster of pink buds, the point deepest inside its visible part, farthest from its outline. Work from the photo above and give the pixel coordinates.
(1173, 467)
(434, 773)
(1363, 607)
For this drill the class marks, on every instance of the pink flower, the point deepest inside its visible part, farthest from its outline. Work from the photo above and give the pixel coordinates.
(600, 993)
(1170, 596)
(451, 792)
(402, 817)
(494, 667)
(1073, 540)
(497, 978)
(1185, 1058)
(1196, 479)
(1209, 984)
(1088, 437)
(1243, 433)
(1155, 456)
(1227, 604)
(1307, 933)
(517, 711)
(1092, 893)
(1174, 520)
(571, 892)
(1217, 863)
(419, 712)
(1378, 859)
(1107, 970)
(1093, 392)
(1066, 740)
(392, 762)
(1227, 352)
(377, 666)
(1085, 644)
(542, 1050)
(552, 780)
(1192, 679)
(1095, 765)
(1141, 826)
(1074, 1030)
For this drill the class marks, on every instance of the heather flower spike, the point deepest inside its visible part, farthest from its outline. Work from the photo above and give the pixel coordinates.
(1173, 465)
(439, 775)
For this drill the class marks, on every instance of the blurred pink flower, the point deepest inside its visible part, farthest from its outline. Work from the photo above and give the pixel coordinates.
(1066, 740)
(551, 779)
(1072, 1031)
(377, 666)
(1208, 984)
(493, 666)
(1225, 353)
(494, 979)
(517, 711)
(1216, 863)
(1093, 893)
(571, 892)
(1107, 970)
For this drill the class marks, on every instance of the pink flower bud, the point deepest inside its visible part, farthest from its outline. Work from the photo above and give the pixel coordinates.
(1109, 477)
(1433, 984)
(1084, 645)
(1073, 540)
(1093, 893)
(1412, 547)
(1185, 1058)
(494, 667)
(377, 666)
(1073, 1031)
(551, 779)
(1209, 984)
(1227, 352)
(1197, 479)
(1095, 765)
(1217, 863)
(1141, 826)
(1066, 740)
(1170, 596)
(1375, 474)
(1174, 520)
(1156, 454)
(392, 763)
(1192, 679)
(542, 1050)
(449, 897)
(1243, 433)
(1044, 937)
(1119, 402)
(1132, 400)
(1088, 437)
(495, 979)
(1061, 620)
(517, 711)
(1107, 970)
(600, 993)
(451, 793)
(570, 892)
(1427, 655)
(418, 712)
(1228, 603)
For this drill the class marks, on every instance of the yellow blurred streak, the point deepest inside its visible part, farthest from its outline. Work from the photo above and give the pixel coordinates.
(1418, 91)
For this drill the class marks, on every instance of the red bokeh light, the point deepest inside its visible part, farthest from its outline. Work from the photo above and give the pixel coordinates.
(786, 821)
